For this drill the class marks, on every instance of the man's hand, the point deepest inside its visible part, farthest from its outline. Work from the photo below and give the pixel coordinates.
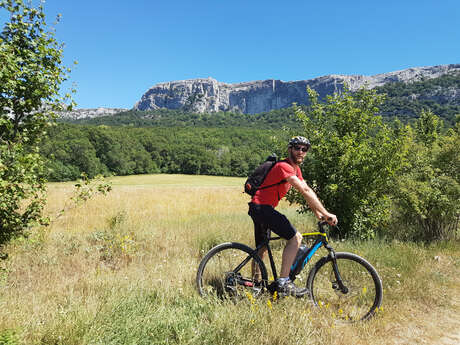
(330, 218)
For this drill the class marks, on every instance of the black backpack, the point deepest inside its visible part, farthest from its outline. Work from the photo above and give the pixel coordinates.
(255, 180)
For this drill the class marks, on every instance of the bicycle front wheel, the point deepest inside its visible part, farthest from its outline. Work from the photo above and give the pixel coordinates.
(362, 292)
(231, 271)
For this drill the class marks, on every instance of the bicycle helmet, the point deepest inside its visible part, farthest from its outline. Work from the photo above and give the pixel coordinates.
(299, 141)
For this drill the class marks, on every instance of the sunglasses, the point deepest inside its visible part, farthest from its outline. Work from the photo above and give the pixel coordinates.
(300, 148)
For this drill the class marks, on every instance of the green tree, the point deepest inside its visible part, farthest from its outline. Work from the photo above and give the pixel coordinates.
(30, 77)
(353, 159)
(428, 127)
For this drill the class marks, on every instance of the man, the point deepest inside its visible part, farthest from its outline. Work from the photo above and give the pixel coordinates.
(281, 177)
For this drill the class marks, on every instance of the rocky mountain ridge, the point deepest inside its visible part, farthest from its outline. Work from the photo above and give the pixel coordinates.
(210, 95)
(78, 114)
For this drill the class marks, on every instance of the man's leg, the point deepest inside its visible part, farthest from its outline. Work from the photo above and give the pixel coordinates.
(260, 233)
(289, 253)
(281, 225)
(257, 276)
(265, 217)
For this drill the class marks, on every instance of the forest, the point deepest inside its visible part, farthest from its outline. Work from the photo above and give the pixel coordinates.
(117, 150)
(274, 119)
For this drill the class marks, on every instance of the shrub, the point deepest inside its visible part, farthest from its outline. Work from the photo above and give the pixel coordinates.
(353, 159)
(427, 194)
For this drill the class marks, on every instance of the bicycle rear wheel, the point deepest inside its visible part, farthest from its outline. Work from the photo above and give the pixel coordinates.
(226, 272)
(363, 293)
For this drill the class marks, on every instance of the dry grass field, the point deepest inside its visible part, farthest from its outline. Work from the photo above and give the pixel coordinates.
(120, 269)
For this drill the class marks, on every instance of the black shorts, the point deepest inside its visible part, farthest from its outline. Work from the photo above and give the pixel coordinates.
(266, 217)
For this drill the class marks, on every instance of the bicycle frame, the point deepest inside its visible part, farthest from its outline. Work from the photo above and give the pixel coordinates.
(319, 242)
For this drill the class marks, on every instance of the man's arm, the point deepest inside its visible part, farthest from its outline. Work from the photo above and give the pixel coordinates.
(312, 200)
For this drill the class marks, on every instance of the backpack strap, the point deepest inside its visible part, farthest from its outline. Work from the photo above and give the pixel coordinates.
(276, 184)
(272, 185)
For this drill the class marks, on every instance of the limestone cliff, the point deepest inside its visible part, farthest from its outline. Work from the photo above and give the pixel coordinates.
(209, 95)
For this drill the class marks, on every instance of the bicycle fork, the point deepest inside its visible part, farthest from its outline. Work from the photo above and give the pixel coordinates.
(338, 283)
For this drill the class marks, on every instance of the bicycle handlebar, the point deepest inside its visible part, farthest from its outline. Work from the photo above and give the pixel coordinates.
(322, 223)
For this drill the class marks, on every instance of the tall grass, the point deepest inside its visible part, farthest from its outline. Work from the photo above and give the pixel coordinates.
(121, 269)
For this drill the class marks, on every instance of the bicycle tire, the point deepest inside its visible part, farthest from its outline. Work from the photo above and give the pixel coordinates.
(365, 291)
(217, 277)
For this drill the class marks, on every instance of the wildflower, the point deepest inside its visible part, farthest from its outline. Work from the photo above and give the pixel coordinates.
(250, 297)
(269, 304)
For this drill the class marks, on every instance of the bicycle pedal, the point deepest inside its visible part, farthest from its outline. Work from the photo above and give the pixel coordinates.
(272, 287)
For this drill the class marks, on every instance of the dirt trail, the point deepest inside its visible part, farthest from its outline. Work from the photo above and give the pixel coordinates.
(451, 321)
(437, 327)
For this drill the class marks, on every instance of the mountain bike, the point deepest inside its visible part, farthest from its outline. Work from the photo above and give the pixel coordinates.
(345, 284)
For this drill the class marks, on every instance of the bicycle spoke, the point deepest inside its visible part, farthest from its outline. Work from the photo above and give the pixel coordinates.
(228, 273)
(359, 298)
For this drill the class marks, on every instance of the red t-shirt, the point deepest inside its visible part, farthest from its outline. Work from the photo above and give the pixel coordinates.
(272, 195)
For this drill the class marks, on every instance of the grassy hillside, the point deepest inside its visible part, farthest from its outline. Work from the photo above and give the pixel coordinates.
(120, 270)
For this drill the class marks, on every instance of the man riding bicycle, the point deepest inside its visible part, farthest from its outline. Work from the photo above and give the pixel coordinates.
(278, 181)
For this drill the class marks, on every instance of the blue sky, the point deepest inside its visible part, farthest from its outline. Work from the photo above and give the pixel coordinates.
(125, 47)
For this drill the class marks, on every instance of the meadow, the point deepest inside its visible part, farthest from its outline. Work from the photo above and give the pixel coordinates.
(120, 269)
